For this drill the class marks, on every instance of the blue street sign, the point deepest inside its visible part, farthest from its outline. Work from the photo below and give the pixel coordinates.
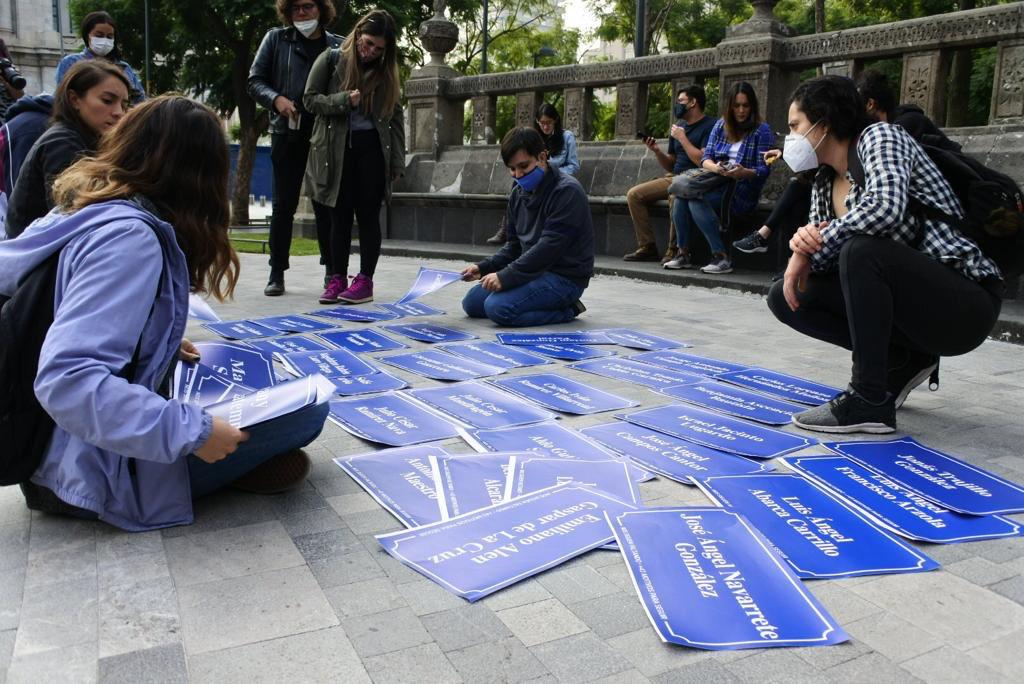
(292, 324)
(562, 394)
(687, 363)
(411, 309)
(239, 363)
(390, 419)
(788, 387)
(481, 406)
(352, 313)
(708, 579)
(240, 330)
(533, 339)
(674, 458)
(358, 341)
(819, 535)
(468, 482)
(478, 553)
(939, 477)
(427, 332)
(400, 480)
(495, 354)
(731, 400)
(718, 431)
(528, 473)
(635, 372)
(900, 509)
(437, 365)
(568, 352)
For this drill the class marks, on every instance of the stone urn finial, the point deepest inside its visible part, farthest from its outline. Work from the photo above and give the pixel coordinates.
(762, 22)
(438, 34)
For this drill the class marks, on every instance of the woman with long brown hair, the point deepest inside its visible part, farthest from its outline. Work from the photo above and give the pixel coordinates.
(140, 226)
(358, 145)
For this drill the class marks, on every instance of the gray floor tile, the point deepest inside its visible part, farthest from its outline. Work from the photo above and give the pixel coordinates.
(345, 568)
(70, 664)
(64, 615)
(650, 655)
(580, 658)
(13, 544)
(465, 626)
(612, 615)
(698, 673)
(138, 616)
(364, 598)
(244, 610)
(580, 582)
(320, 656)
(386, 632)
(872, 667)
(501, 660)
(6, 647)
(230, 552)
(424, 663)
(320, 545)
(771, 665)
(158, 665)
(536, 623)
(426, 597)
(12, 584)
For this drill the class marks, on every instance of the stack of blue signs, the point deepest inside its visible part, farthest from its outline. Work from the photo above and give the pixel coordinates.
(478, 553)
(708, 579)
(898, 508)
(819, 535)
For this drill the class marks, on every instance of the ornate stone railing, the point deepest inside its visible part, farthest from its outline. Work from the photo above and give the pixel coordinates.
(760, 51)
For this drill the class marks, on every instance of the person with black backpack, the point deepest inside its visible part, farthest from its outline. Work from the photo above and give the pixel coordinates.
(85, 423)
(875, 270)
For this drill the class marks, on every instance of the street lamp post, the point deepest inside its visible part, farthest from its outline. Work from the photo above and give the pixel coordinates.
(639, 46)
(483, 56)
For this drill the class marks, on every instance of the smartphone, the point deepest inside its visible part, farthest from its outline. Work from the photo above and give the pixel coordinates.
(640, 135)
(728, 165)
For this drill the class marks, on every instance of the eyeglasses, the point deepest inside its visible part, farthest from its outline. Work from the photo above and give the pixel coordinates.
(304, 8)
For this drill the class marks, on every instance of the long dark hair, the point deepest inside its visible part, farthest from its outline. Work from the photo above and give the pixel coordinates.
(737, 130)
(556, 141)
(379, 78)
(79, 79)
(173, 151)
(89, 23)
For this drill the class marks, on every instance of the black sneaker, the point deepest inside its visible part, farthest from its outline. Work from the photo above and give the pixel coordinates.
(752, 244)
(849, 412)
(275, 286)
(914, 370)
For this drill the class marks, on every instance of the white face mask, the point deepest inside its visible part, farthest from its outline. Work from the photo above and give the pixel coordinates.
(101, 46)
(308, 27)
(798, 152)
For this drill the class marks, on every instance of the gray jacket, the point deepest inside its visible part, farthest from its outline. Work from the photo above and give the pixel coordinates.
(329, 101)
(281, 68)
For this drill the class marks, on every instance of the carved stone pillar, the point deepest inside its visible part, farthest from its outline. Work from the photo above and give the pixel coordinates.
(526, 108)
(1008, 85)
(849, 68)
(434, 120)
(924, 82)
(631, 110)
(578, 112)
(484, 115)
(753, 52)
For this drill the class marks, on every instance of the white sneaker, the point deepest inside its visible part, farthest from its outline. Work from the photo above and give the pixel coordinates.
(680, 262)
(723, 265)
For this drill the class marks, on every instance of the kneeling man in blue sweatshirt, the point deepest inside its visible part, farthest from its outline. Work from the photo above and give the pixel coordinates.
(538, 276)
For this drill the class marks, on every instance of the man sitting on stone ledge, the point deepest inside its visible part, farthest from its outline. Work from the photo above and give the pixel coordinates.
(538, 276)
(686, 144)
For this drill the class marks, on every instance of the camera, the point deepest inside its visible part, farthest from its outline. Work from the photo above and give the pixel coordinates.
(11, 74)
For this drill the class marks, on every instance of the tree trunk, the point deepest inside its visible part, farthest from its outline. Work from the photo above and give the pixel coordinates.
(959, 90)
(819, 16)
(249, 133)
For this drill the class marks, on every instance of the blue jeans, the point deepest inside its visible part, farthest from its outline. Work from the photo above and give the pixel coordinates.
(265, 440)
(545, 300)
(705, 214)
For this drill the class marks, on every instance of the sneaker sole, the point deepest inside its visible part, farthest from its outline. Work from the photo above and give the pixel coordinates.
(716, 272)
(676, 268)
(914, 382)
(869, 428)
(755, 250)
(328, 301)
(349, 300)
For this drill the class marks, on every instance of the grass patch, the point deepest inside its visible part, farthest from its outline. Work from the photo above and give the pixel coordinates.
(300, 246)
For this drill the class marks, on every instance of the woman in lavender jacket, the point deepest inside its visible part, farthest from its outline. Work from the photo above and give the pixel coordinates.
(145, 223)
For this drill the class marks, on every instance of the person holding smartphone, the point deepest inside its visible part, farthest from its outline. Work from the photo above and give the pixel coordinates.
(687, 138)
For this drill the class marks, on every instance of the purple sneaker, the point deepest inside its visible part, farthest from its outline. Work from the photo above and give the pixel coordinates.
(360, 291)
(334, 288)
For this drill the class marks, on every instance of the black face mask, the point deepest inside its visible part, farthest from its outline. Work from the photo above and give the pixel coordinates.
(679, 110)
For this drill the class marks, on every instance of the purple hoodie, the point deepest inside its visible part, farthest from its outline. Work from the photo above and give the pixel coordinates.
(119, 448)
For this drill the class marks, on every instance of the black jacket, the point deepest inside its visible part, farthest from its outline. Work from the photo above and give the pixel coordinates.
(549, 229)
(26, 121)
(281, 68)
(55, 150)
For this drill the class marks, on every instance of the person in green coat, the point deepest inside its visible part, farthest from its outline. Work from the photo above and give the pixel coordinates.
(358, 146)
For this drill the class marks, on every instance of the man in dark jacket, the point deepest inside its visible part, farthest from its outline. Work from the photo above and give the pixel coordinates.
(538, 276)
(277, 80)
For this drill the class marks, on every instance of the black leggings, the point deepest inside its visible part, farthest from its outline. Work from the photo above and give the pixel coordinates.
(888, 297)
(791, 210)
(361, 193)
(288, 155)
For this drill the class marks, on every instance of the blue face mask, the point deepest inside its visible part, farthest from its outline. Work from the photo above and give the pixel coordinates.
(530, 181)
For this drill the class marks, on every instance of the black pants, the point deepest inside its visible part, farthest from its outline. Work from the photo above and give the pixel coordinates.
(885, 299)
(361, 193)
(288, 153)
(791, 210)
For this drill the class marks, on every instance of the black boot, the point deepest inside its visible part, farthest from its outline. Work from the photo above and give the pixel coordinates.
(498, 238)
(275, 285)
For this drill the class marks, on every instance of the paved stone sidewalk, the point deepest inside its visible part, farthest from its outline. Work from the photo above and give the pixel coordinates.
(295, 588)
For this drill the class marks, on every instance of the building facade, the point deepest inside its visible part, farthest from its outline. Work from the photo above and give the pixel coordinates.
(38, 33)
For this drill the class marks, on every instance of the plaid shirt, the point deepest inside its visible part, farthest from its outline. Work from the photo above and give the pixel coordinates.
(751, 156)
(895, 169)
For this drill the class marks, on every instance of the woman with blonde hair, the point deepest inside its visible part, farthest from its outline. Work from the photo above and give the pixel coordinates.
(358, 146)
(141, 225)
